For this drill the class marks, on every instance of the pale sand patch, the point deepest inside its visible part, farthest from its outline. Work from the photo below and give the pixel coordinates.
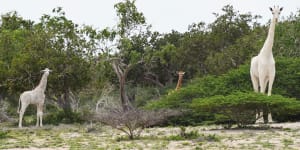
(282, 136)
(33, 148)
(70, 135)
(179, 145)
(291, 125)
(260, 139)
(272, 138)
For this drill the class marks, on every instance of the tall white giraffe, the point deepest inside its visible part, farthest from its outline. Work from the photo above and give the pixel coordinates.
(35, 96)
(262, 68)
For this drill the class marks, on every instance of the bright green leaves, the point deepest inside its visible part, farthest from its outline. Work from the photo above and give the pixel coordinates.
(242, 107)
(167, 55)
(54, 42)
(129, 17)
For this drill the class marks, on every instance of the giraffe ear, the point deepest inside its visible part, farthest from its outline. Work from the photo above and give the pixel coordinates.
(281, 8)
(271, 8)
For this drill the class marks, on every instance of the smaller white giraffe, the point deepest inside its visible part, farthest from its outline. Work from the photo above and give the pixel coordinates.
(262, 68)
(35, 96)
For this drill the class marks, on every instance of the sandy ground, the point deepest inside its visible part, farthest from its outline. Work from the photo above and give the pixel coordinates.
(278, 136)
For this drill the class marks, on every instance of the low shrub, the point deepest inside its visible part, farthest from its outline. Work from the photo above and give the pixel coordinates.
(62, 116)
(237, 80)
(133, 121)
(240, 108)
(3, 134)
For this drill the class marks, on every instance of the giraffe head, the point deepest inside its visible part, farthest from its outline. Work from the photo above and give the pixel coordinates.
(180, 73)
(276, 12)
(46, 71)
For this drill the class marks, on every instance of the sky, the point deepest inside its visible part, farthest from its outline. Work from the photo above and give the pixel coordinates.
(163, 15)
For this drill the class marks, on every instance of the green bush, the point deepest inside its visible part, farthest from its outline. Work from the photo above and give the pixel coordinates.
(286, 83)
(235, 80)
(242, 107)
(62, 116)
(53, 117)
(287, 77)
(3, 134)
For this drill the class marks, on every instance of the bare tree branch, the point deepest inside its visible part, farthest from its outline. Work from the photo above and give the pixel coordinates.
(153, 78)
(133, 121)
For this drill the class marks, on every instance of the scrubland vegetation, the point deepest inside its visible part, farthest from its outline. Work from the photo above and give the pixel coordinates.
(127, 73)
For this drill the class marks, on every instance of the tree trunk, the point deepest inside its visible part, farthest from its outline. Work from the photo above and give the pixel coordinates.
(64, 101)
(170, 79)
(124, 97)
(67, 104)
(122, 74)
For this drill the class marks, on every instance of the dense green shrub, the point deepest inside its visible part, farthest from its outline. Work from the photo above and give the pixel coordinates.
(287, 37)
(53, 118)
(3, 134)
(287, 80)
(242, 107)
(235, 80)
(286, 83)
(62, 116)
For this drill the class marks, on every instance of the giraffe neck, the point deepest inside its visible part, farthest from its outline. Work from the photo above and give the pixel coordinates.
(43, 83)
(268, 45)
(179, 82)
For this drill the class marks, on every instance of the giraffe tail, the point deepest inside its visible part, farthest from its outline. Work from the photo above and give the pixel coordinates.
(18, 111)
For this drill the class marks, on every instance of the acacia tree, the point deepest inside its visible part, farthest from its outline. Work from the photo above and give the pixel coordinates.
(54, 42)
(14, 34)
(70, 50)
(127, 51)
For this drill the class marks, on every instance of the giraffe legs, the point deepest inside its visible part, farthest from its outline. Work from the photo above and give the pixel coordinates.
(22, 111)
(39, 115)
(271, 80)
(254, 83)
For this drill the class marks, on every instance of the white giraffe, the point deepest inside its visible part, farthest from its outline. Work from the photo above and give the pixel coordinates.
(262, 68)
(35, 96)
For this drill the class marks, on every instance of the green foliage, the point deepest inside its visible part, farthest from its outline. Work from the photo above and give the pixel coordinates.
(287, 77)
(12, 21)
(236, 80)
(287, 34)
(236, 54)
(143, 94)
(194, 134)
(78, 54)
(242, 107)
(54, 42)
(3, 134)
(220, 46)
(70, 51)
(63, 116)
(129, 16)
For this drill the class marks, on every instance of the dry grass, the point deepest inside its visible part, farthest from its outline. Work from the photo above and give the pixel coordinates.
(282, 136)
